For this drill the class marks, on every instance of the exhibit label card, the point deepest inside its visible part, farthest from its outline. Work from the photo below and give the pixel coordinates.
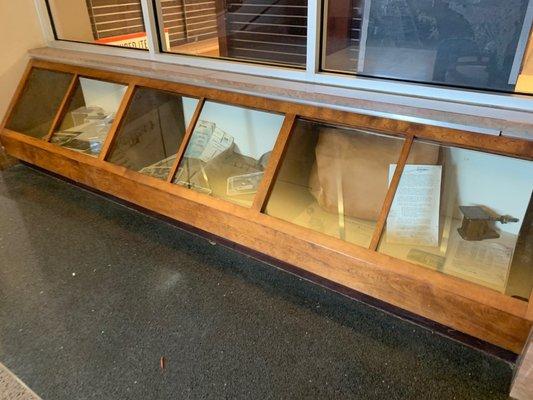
(414, 216)
(486, 261)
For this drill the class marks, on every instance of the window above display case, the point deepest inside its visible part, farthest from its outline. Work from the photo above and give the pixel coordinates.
(451, 47)
(105, 22)
(473, 44)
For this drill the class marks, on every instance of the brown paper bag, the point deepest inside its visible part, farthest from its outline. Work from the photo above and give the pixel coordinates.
(360, 164)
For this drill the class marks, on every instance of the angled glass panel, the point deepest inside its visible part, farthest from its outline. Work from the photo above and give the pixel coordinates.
(467, 214)
(39, 103)
(333, 180)
(152, 132)
(228, 152)
(90, 114)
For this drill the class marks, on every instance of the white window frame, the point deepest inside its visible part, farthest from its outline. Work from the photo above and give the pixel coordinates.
(512, 107)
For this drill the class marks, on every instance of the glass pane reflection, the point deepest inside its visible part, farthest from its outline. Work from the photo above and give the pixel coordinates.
(39, 103)
(107, 22)
(89, 116)
(478, 44)
(228, 152)
(268, 31)
(334, 180)
(152, 132)
(469, 215)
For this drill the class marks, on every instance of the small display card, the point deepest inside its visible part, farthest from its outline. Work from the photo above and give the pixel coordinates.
(414, 216)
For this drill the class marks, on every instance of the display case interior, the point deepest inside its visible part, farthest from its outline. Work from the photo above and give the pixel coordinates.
(152, 131)
(334, 179)
(228, 152)
(465, 215)
(39, 102)
(89, 116)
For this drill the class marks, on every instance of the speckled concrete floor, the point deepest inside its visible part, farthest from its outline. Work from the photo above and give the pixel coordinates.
(93, 294)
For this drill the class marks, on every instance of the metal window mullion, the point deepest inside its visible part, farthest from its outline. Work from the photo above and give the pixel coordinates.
(495, 105)
(158, 13)
(313, 38)
(45, 21)
(150, 27)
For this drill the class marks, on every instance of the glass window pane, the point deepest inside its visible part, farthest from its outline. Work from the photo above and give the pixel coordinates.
(469, 214)
(334, 180)
(89, 116)
(269, 31)
(110, 22)
(39, 103)
(463, 43)
(152, 132)
(228, 152)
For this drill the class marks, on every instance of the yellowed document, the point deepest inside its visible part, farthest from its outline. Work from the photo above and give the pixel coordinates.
(414, 216)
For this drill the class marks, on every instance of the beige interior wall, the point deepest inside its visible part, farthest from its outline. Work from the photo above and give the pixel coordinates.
(20, 31)
(71, 20)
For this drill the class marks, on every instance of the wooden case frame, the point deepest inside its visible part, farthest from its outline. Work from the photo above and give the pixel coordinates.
(462, 305)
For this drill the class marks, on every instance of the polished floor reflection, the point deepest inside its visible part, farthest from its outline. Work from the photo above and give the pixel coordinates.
(93, 294)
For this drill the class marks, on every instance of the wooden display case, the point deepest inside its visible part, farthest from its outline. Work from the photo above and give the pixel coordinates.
(370, 203)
